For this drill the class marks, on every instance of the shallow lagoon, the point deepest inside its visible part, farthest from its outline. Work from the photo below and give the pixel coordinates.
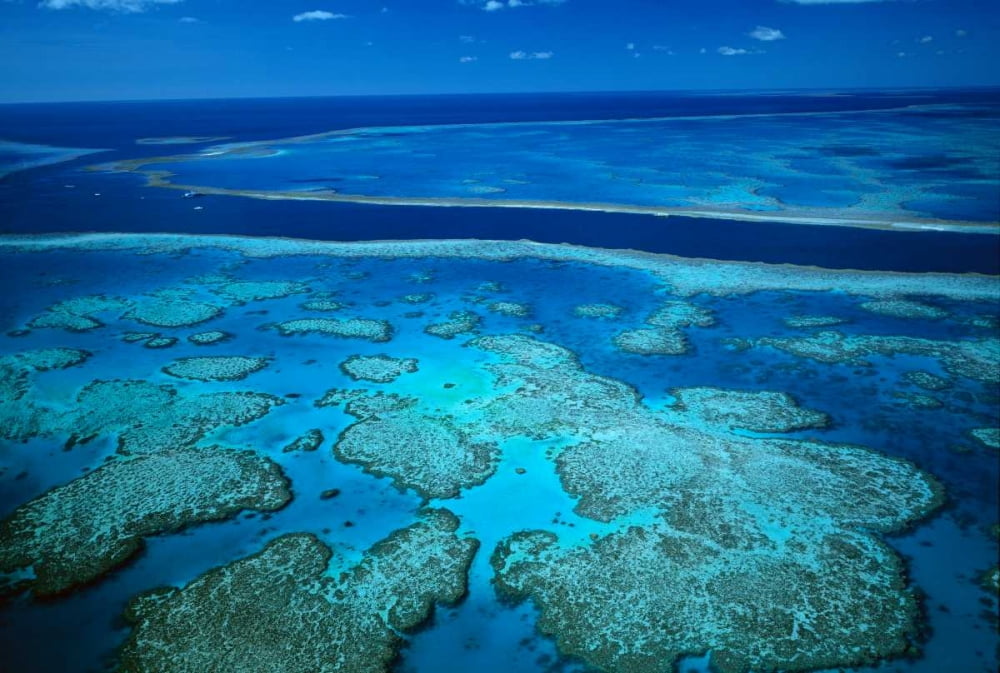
(917, 166)
(411, 288)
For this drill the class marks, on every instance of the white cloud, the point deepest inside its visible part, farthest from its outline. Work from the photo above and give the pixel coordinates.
(730, 51)
(126, 6)
(926, 39)
(703, 51)
(467, 59)
(765, 34)
(961, 32)
(663, 48)
(531, 56)
(630, 46)
(317, 15)
(189, 19)
(497, 5)
(467, 39)
(901, 54)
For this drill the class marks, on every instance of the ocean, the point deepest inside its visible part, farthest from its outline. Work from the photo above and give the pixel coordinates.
(373, 408)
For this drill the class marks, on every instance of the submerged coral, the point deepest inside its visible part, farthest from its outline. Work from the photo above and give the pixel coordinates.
(282, 609)
(733, 519)
(148, 418)
(459, 322)
(216, 368)
(76, 532)
(209, 338)
(904, 308)
(20, 417)
(652, 341)
(511, 309)
(310, 441)
(978, 360)
(418, 450)
(762, 411)
(350, 328)
(243, 291)
(808, 321)
(377, 368)
(926, 380)
(166, 311)
(79, 313)
(989, 437)
(607, 311)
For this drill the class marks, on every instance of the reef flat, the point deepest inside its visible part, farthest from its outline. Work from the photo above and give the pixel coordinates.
(311, 621)
(757, 497)
(799, 168)
(684, 277)
(75, 533)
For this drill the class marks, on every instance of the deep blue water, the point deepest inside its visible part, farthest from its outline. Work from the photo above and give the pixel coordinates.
(945, 555)
(63, 198)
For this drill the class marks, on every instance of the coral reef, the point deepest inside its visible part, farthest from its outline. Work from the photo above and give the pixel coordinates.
(423, 451)
(78, 314)
(135, 337)
(989, 437)
(148, 418)
(918, 400)
(808, 321)
(926, 380)
(732, 519)
(674, 314)
(209, 338)
(652, 341)
(511, 309)
(459, 322)
(77, 532)
(763, 411)
(671, 595)
(281, 610)
(663, 336)
(20, 417)
(244, 291)
(607, 311)
(377, 368)
(903, 308)
(216, 367)
(167, 311)
(323, 305)
(310, 441)
(350, 328)
(161, 342)
(978, 360)
(420, 298)
(682, 276)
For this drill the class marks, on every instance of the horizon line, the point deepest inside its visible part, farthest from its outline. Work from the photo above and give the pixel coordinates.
(747, 91)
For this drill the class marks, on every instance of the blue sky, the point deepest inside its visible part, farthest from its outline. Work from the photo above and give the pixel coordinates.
(141, 49)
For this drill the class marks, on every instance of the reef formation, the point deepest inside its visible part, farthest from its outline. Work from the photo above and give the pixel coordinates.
(285, 608)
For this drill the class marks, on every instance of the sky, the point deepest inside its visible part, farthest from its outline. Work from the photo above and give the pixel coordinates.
(67, 50)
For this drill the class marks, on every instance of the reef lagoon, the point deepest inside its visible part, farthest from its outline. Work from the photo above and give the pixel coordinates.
(235, 442)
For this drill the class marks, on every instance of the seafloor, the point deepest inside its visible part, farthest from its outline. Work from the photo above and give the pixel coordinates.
(224, 453)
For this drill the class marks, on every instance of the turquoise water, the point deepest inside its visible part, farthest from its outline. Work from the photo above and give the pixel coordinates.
(224, 450)
(944, 557)
(921, 163)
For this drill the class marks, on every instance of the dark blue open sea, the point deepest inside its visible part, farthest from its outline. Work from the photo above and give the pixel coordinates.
(523, 383)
